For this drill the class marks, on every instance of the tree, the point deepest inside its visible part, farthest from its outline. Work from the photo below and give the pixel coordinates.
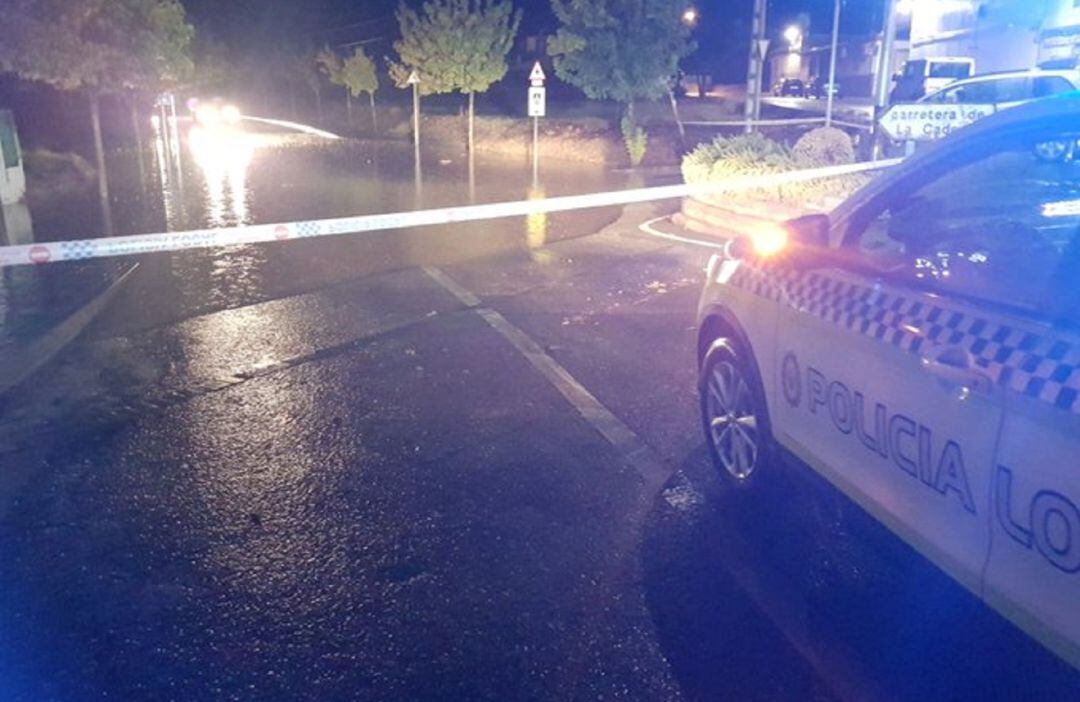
(100, 47)
(456, 46)
(329, 64)
(620, 50)
(359, 76)
(306, 68)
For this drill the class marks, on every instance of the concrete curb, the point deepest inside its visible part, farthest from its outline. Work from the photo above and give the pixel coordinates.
(21, 364)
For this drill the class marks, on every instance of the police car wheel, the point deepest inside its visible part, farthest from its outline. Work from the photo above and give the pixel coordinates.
(733, 413)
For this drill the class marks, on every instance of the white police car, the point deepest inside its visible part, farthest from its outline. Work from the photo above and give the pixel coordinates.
(919, 347)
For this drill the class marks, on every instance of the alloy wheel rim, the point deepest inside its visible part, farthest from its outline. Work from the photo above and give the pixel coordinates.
(732, 420)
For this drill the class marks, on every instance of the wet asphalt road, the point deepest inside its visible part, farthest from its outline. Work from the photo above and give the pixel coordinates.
(366, 492)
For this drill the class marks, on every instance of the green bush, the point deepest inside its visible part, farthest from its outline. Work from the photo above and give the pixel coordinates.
(636, 140)
(825, 146)
(754, 154)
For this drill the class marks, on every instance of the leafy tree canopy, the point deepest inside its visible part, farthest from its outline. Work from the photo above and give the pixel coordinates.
(619, 49)
(358, 73)
(455, 45)
(104, 45)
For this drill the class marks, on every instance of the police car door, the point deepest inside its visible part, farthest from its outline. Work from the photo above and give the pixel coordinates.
(1034, 569)
(888, 349)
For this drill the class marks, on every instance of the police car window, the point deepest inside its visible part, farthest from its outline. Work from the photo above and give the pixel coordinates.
(1000, 228)
(1011, 89)
(1052, 85)
(984, 92)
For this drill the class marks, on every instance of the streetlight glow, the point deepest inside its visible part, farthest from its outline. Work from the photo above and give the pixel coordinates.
(690, 16)
(793, 35)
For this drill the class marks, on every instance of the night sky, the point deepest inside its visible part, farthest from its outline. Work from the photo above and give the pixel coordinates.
(249, 23)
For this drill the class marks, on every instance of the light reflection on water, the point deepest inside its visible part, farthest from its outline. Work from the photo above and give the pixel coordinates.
(219, 178)
(223, 157)
(251, 177)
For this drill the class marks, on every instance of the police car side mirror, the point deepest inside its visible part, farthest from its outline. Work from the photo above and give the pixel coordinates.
(808, 231)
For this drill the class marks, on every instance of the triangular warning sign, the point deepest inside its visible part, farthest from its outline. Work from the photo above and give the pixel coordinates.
(537, 73)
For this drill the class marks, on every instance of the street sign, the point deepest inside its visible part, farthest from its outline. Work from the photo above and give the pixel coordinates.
(763, 47)
(927, 121)
(536, 76)
(537, 101)
(413, 79)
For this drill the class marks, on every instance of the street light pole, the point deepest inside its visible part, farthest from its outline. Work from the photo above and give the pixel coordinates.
(414, 81)
(830, 88)
(884, 69)
(756, 66)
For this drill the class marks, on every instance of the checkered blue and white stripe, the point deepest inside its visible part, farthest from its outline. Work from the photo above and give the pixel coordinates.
(1030, 361)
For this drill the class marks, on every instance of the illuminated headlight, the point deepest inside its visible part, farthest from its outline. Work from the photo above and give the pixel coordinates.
(230, 114)
(208, 115)
(769, 239)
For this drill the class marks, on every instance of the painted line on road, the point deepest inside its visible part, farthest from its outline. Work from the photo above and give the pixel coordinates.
(18, 364)
(463, 295)
(647, 228)
(137, 244)
(631, 448)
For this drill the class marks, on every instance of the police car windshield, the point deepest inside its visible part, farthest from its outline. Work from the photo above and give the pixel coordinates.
(1002, 228)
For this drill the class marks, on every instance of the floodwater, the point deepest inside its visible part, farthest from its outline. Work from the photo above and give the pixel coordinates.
(209, 179)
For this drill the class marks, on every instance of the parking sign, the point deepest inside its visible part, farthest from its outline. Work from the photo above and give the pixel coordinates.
(537, 101)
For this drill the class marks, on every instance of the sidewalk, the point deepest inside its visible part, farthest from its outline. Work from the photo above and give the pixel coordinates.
(42, 308)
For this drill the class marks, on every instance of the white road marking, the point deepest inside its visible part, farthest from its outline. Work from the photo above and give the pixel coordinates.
(647, 228)
(463, 295)
(634, 451)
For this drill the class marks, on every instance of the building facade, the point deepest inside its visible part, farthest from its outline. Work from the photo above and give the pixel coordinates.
(1001, 35)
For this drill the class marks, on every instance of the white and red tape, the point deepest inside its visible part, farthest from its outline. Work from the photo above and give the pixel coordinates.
(80, 249)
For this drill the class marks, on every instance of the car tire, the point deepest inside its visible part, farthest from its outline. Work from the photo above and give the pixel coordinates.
(734, 415)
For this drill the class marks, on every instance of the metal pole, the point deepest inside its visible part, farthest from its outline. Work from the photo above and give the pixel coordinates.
(416, 122)
(830, 88)
(536, 150)
(884, 70)
(756, 65)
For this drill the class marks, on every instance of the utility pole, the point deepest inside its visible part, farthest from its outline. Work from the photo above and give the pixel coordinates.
(830, 88)
(414, 81)
(883, 80)
(756, 66)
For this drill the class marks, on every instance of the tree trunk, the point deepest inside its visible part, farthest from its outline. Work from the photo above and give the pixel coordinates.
(675, 113)
(374, 117)
(318, 104)
(630, 111)
(136, 126)
(99, 158)
(472, 120)
(348, 106)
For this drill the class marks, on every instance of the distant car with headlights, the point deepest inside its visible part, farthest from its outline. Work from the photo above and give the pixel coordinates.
(919, 348)
(215, 113)
(790, 87)
(820, 88)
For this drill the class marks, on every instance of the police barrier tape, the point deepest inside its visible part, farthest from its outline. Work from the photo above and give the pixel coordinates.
(81, 249)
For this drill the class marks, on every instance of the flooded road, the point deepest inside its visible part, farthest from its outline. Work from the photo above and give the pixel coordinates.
(253, 176)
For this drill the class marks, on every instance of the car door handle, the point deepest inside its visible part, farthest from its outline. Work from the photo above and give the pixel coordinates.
(956, 365)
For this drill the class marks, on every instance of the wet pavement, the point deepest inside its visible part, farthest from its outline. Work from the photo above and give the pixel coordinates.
(356, 488)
